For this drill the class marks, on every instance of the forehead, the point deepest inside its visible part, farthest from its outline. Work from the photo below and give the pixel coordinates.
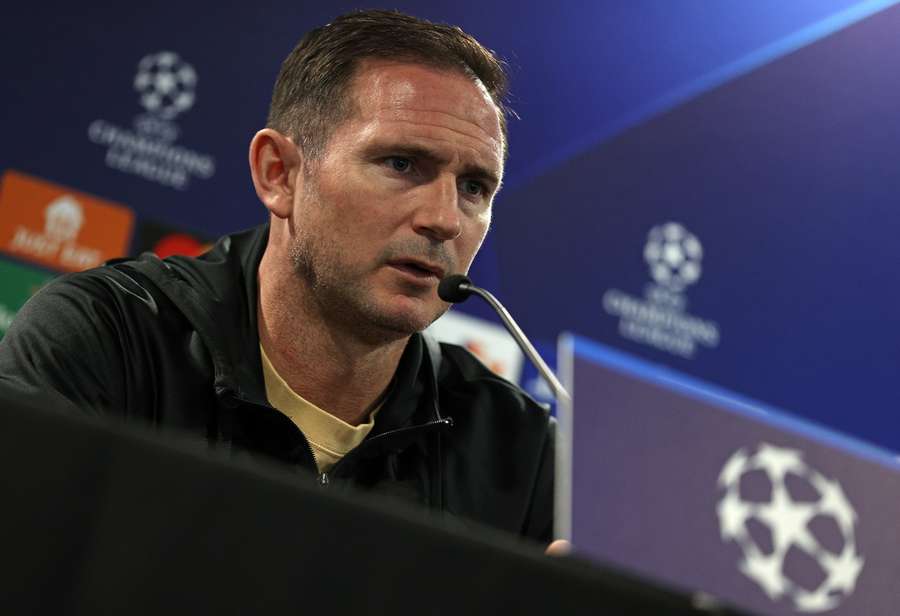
(420, 99)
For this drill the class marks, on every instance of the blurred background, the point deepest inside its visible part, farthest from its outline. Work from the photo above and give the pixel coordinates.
(710, 185)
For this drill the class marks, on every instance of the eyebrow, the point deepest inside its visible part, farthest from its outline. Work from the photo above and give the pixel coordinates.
(470, 170)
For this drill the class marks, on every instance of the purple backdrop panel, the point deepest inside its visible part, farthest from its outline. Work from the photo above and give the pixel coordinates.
(683, 482)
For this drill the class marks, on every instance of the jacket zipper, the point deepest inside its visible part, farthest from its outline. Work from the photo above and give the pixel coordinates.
(425, 426)
(323, 479)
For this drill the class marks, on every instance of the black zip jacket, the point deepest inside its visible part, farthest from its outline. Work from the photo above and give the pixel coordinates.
(174, 342)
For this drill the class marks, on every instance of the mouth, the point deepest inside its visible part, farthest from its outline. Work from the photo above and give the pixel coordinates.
(418, 269)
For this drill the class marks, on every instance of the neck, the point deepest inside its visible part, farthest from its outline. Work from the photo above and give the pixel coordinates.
(326, 363)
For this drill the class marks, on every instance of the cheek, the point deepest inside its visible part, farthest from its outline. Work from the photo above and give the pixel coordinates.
(482, 225)
(474, 237)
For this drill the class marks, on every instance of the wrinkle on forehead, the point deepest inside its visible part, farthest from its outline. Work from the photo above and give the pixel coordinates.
(419, 122)
(397, 90)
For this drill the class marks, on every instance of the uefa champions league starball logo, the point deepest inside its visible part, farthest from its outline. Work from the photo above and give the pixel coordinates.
(796, 532)
(149, 149)
(165, 84)
(660, 318)
(673, 254)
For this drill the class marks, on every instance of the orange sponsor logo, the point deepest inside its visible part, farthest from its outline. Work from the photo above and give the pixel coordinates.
(478, 350)
(58, 227)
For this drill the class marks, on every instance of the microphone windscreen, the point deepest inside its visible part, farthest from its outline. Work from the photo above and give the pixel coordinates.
(449, 289)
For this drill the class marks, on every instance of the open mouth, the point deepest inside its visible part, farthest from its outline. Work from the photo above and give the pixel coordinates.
(416, 270)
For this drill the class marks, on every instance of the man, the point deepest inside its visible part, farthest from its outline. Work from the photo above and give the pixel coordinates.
(299, 341)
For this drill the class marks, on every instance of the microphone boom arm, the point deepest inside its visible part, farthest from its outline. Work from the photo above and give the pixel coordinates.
(559, 392)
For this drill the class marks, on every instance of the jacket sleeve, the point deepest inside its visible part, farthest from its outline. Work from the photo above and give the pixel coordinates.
(539, 524)
(65, 343)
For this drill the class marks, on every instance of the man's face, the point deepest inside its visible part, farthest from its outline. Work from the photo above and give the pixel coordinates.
(400, 197)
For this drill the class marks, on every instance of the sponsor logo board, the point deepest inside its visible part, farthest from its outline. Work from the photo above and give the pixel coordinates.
(60, 228)
(489, 342)
(164, 240)
(17, 284)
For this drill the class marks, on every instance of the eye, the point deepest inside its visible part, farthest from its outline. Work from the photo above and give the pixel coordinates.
(473, 188)
(400, 164)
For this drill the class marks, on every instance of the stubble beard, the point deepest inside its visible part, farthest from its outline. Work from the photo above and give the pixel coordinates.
(341, 296)
(342, 299)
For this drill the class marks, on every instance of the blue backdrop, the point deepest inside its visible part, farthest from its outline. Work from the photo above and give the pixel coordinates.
(710, 185)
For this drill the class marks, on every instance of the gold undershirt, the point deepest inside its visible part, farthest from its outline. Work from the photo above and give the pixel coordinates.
(330, 437)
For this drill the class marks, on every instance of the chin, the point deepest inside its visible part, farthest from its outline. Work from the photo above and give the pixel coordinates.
(389, 316)
(404, 325)
(407, 320)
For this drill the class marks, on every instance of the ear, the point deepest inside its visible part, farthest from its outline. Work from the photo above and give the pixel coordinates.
(275, 163)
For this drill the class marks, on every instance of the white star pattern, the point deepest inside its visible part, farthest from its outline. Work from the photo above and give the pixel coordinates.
(673, 255)
(166, 84)
(789, 523)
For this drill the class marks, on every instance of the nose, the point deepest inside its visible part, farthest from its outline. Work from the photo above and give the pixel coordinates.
(438, 216)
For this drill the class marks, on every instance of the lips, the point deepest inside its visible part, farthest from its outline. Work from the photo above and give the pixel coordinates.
(418, 268)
